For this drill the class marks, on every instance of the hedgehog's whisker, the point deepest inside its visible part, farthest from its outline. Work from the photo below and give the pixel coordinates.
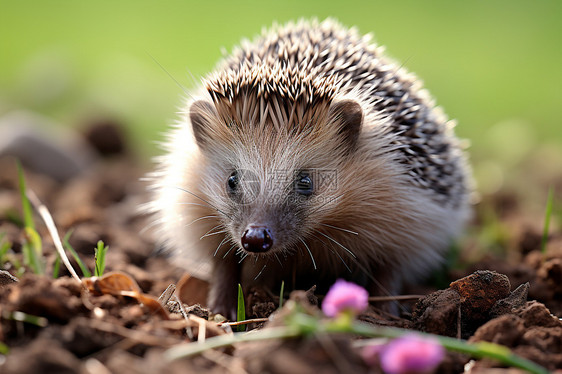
(333, 250)
(170, 75)
(220, 245)
(217, 226)
(229, 249)
(363, 268)
(261, 271)
(310, 253)
(278, 260)
(213, 233)
(343, 262)
(203, 200)
(243, 257)
(340, 228)
(186, 203)
(201, 218)
(335, 241)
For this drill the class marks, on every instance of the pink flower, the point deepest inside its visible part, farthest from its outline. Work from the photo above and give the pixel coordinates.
(345, 296)
(411, 353)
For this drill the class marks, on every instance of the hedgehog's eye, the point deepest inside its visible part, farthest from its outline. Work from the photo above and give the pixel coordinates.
(232, 183)
(303, 183)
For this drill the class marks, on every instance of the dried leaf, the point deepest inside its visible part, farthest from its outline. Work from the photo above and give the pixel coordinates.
(120, 284)
(113, 283)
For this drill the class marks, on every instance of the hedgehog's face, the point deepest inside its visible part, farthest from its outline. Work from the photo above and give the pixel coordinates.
(267, 208)
(269, 185)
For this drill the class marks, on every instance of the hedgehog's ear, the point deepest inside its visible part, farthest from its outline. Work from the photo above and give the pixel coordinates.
(201, 113)
(349, 115)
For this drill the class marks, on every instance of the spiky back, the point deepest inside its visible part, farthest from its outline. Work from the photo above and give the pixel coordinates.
(293, 73)
(272, 92)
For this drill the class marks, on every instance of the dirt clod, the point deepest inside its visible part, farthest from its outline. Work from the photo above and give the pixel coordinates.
(507, 330)
(531, 331)
(438, 313)
(479, 292)
(551, 273)
(36, 296)
(514, 301)
(536, 314)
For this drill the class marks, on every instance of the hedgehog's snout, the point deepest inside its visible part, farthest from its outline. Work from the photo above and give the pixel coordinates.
(257, 239)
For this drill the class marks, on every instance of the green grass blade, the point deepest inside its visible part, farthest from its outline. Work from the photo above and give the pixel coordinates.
(32, 247)
(27, 318)
(5, 246)
(85, 271)
(56, 267)
(281, 294)
(99, 257)
(547, 214)
(33, 251)
(4, 349)
(26, 251)
(27, 212)
(241, 310)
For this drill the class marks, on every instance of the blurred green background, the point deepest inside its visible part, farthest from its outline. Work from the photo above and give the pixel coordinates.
(495, 66)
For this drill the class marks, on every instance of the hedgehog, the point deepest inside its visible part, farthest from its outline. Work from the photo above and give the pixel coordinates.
(305, 157)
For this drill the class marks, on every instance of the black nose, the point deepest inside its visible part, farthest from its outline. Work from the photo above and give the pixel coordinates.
(257, 239)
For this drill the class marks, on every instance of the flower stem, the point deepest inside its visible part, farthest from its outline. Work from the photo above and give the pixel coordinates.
(300, 324)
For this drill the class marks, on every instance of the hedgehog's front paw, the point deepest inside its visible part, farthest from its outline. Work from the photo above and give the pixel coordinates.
(224, 288)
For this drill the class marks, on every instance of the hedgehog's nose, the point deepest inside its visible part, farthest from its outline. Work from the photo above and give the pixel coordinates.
(257, 239)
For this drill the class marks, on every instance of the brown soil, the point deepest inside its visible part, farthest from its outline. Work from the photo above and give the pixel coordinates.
(512, 298)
